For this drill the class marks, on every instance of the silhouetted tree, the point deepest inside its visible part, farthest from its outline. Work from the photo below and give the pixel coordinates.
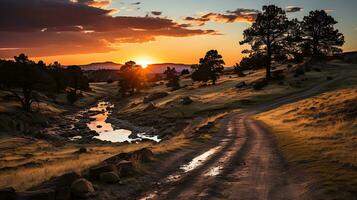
(209, 67)
(172, 78)
(321, 38)
(25, 75)
(185, 71)
(253, 61)
(293, 45)
(132, 78)
(266, 35)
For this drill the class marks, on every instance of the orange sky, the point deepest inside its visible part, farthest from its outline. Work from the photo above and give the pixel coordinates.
(82, 32)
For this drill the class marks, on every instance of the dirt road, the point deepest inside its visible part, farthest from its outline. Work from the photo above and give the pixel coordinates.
(241, 162)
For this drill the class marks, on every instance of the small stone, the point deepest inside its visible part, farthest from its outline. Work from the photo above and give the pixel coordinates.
(109, 177)
(186, 100)
(82, 188)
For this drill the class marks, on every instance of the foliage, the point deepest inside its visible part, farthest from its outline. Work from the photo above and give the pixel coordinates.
(185, 71)
(132, 79)
(266, 35)
(208, 68)
(321, 38)
(172, 78)
(72, 96)
(253, 61)
(23, 77)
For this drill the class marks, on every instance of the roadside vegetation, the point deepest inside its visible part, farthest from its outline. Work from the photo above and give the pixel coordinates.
(317, 135)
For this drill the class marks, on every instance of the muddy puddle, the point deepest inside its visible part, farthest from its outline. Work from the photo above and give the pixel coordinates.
(106, 131)
(193, 164)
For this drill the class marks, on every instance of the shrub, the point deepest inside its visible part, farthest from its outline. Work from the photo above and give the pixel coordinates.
(260, 84)
(72, 96)
(185, 71)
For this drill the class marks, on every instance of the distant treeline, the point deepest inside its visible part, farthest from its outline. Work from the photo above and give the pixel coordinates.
(22, 77)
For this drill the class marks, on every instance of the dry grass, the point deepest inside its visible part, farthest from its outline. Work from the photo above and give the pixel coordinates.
(319, 135)
(27, 162)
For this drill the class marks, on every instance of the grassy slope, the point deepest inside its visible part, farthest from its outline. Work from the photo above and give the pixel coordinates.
(210, 103)
(319, 135)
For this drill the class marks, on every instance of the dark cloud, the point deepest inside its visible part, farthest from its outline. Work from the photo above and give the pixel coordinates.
(238, 15)
(157, 13)
(57, 27)
(136, 3)
(291, 9)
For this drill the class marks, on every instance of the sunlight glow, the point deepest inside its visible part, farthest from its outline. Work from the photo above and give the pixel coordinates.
(144, 63)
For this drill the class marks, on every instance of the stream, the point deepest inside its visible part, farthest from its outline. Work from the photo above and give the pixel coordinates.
(106, 131)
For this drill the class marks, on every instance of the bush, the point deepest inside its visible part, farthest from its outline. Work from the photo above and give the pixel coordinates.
(299, 71)
(72, 96)
(260, 84)
(185, 71)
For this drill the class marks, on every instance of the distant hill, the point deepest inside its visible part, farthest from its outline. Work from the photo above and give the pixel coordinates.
(153, 68)
(101, 65)
(160, 68)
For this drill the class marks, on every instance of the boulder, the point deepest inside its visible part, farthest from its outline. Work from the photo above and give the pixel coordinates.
(82, 188)
(62, 185)
(155, 96)
(109, 177)
(43, 194)
(126, 168)
(95, 172)
(241, 85)
(8, 194)
(186, 101)
(142, 155)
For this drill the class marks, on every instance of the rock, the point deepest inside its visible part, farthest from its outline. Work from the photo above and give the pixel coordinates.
(62, 185)
(8, 194)
(99, 126)
(95, 172)
(150, 107)
(82, 188)
(241, 85)
(186, 101)
(82, 150)
(43, 194)
(206, 127)
(155, 96)
(142, 155)
(126, 168)
(109, 177)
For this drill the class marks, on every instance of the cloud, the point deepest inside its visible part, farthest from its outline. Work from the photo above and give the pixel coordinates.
(59, 27)
(157, 13)
(329, 10)
(136, 3)
(94, 3)
(238, 15)
(292, 9)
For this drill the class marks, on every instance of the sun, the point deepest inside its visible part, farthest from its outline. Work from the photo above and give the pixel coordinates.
(144, 63)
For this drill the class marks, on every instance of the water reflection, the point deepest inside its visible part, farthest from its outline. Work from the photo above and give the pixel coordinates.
(106, 131)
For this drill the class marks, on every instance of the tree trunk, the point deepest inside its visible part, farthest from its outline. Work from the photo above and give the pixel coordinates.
(268, 67)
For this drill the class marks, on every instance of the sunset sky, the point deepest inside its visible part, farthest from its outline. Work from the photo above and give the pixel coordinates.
(180, 31)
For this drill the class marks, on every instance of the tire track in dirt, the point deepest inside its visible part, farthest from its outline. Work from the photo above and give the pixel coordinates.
(251, 167)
